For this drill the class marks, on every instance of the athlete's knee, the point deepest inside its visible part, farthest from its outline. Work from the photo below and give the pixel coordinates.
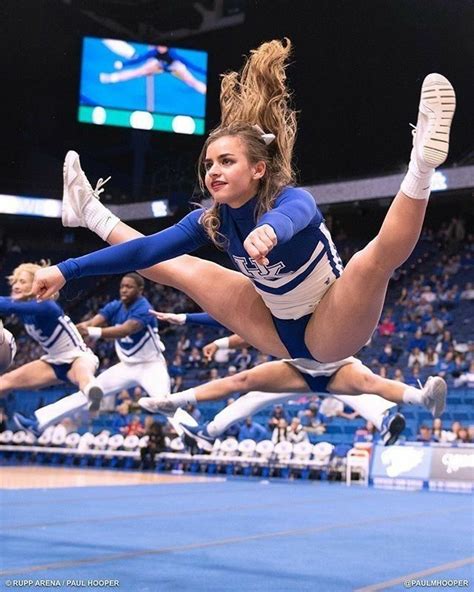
(367, 381)
(243, 382)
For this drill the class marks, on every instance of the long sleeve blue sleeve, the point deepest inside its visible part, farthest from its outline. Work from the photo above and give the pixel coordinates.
(202, 318)
(184, 237)
(294, 209)
(9, 306)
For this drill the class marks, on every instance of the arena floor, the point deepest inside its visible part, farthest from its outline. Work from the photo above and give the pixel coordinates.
(94, 529)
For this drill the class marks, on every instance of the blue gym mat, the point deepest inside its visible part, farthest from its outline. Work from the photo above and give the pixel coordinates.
(236, 535)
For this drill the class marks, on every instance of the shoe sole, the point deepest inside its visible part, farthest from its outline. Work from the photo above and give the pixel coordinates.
(439, 394)
(95, 398)
(397, 425)
(202, 442)
(438, 103)
(68, 221)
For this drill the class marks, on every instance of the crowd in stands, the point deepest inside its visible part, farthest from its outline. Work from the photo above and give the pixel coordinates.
(426, 329)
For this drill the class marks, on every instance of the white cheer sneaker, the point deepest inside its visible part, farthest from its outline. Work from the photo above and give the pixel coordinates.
(434, 395)
(77, 191)
(163, 405)
(435, 113)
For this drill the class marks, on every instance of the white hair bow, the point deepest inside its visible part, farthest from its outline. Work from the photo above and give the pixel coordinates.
(267, 138)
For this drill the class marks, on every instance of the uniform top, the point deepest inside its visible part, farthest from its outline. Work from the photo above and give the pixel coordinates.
(47, 324)
(303, 259)
(144, 345)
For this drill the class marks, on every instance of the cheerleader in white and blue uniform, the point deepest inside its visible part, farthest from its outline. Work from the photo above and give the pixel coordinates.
(273, 232)
(128, 322)
(66, 357)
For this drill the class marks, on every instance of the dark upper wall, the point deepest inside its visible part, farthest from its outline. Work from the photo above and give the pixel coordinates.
(356, 75)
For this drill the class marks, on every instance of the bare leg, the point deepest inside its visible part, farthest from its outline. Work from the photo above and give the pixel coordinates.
(82, 372)
(29, 376)
(356, 379)
(275, 377)
(350, 310)
(216, 290)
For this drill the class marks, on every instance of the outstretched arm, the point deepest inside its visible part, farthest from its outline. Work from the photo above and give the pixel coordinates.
(184, 237)
(193, 318)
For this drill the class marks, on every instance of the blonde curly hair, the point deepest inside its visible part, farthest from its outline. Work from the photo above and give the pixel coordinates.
(256, 96)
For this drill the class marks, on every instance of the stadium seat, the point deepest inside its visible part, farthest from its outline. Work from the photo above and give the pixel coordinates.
(115, 442)
(6, 437)
(72, 440)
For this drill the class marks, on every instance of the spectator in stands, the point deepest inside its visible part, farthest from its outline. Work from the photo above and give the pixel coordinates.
(470, 431)
(365, 433)
(414, 378)
(296, 432)
(446, 365)
(194, 359)
(398, 375)
(120, 422)
(252, 430)
(243, 360)
(424, 434)
(452, 434)
(463, 436)
(331, 407)
(309, 417)
(445, 343)
(416, 356)
(386, 327)
(199, 340)
(405, 326)
(466, 378)
(278, 413)
(183, 344)
(445, 315)
(213, 374)
(231, 370)
(418, 341)
(439, 435)
(468, 292)
(280, 432)
(156, 443)
(388, 355)
(434, 326)
(431, 357)
(134, 427)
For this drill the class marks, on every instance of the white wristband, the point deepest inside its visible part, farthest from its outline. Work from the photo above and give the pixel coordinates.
(181, 318)
(94, 332)
(222, 343)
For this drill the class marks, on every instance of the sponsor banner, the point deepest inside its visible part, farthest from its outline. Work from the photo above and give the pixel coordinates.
(401, 462)
(452, 464)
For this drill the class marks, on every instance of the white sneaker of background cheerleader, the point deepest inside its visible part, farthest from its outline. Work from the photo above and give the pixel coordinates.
(164, 405)
(434, 395)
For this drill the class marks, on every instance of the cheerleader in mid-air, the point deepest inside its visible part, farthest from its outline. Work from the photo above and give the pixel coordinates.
(66, 357)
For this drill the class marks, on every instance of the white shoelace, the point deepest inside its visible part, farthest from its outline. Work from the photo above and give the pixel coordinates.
(99, 187)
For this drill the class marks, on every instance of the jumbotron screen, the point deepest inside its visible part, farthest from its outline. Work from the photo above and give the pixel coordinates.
(152, 87)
